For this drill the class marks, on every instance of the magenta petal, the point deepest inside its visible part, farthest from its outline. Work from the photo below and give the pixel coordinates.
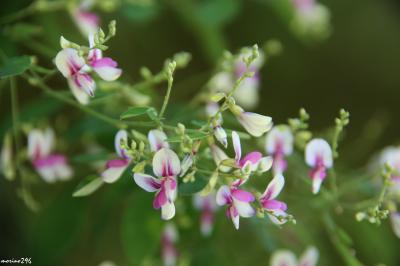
(104, 62)
(160, 199)
(51, 160)
(254, 157)
(274, 205)
(117, 163)
(242, 195)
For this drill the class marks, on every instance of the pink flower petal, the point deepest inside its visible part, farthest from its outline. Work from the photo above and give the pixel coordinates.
(242, 195)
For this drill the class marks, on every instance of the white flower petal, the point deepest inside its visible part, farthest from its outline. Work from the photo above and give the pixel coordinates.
(147, 182)
(168, 211)
(236, 146)
(283, 257)
(280, 135)
(67, 60)
(318, 148)
(255, 124)
(223, 194)
(244, 208)
(274, 187)
(316, 184)
(309, 257)
(219, 155)
(166, 163)
(157, 140)
(79, 93)
(122, 135)
(235, 219)
(112, 174)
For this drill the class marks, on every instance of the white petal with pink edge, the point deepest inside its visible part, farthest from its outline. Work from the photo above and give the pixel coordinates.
(107, 69)
(157, 140)
(318, 149)
(79, 94)
(166, 163)
(274, 187)
(112, 174)
(244, 208)
(223, 195)
(236, 146)
(147, 182)
(121, 136)
(280, 136)
(68, 62)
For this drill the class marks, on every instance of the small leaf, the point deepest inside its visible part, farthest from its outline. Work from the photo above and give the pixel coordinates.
(137, 111)
(15, 66)
(87, 186)
(152, 113)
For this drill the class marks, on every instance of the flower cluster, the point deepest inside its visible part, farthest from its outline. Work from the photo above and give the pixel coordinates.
(76, 63)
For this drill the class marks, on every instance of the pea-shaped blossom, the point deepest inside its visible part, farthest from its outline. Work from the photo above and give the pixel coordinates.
(116, 167)
(254, 123)
(88, 22)
(166, 166)
(318, 155)
(207, 206)
(237, 200)
(279, 143)
(50, 166)
(77, 70)
(253, 159)
(288, 258)
(269, 203)
(157, 140)
(168, 250)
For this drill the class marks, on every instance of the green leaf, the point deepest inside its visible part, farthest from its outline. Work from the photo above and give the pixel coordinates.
(141, 228)
(87, 186)
(141, 13)
(15, 66)
(215, 13)
(152, 113)
(193, 187)
(138, 111)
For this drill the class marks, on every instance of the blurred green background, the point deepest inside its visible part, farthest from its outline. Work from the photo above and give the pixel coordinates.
(356, 68)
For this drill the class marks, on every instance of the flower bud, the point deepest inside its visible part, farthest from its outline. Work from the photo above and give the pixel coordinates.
(220, 135)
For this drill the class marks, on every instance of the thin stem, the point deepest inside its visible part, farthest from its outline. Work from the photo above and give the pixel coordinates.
(15, 115)
(343, 249)
(166, 98)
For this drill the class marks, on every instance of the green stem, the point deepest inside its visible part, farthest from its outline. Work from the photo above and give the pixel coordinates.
(15, 116)
(166, 98)
(343, 249)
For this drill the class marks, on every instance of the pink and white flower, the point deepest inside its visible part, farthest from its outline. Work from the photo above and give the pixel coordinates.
(285, 257)
(157, 140)
(252, 159)
(207, 206)
(279, 144)
(74, 69)
(255, 124)
(116, 167)
(77, 70)
(238, 202)
(87, 22)
(318, 155)
(168, 250)
(166, 166)
(269, 203)
(50, 166)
